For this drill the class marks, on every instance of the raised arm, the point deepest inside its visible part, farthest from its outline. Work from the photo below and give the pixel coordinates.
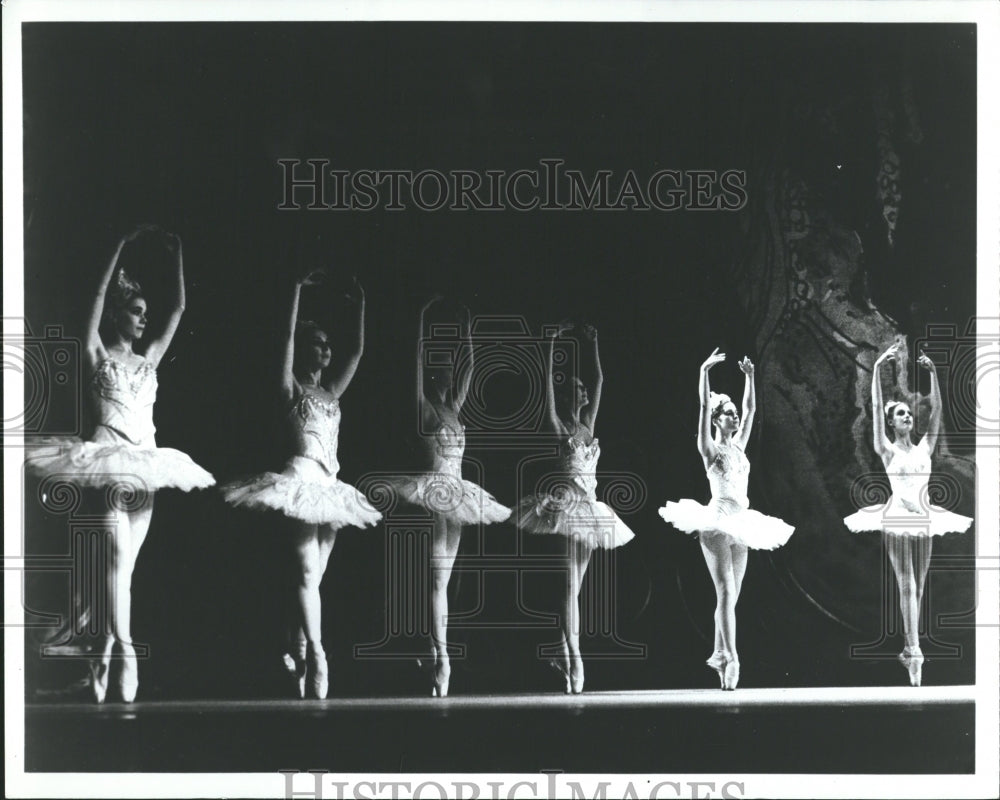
(934, 423)
(589, 415)
(95, 347)
(881, 441)
(465, 359)
(424, 408)
(550, 394)
(706, 447)
(289, 385)
(749, 403)
(337, 384)
(157, 347)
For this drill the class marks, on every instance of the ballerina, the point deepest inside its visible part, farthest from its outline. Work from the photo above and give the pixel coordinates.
(453, 501)
(909, 522)
(571, 509)
(121, 456)
(307, 490)
(726, 526)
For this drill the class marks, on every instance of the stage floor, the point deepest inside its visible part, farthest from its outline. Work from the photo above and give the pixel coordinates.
(826, 730)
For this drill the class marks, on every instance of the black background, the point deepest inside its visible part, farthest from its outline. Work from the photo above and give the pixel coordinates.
(182, 124)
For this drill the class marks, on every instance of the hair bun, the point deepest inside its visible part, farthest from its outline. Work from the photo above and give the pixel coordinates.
(124, 285)
(716, 401)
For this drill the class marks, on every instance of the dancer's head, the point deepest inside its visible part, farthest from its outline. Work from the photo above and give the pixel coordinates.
(898, 418)
(124, 308)
(725, 417)
(571, 397)
(312, 348)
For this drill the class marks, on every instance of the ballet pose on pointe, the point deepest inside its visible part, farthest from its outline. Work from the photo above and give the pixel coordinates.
(120, 456)
(571, 509)
(307, 490)
(453, 501)
(727, 526)
(909, 522)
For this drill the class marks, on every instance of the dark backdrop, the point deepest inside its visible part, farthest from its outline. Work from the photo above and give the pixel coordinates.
(182, 124)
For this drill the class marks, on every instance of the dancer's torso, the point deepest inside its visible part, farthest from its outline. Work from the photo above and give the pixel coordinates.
(122, 399)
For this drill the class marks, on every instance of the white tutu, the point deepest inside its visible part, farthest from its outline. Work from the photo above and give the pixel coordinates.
(909, 511)
(452, 497)
(123, 448)
(303, 491)
(729, 511)
(104, 463)
(573, 514)
(743, 525)
(569, 507)
(897, 519)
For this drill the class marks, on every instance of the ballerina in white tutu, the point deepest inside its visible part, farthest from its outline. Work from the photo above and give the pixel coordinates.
(307, 490)
(453, 501)
(570, 508)
(727, 526)
(121, 456)
(908, 521)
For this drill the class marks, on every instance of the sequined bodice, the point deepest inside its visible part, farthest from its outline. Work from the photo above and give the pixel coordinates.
(315, 424)
(448, 450)
(579, 460)
(729, 474)
(123, 399)
(909, 471)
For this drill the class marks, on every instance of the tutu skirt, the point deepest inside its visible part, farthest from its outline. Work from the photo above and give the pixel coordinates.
(897, 519)
(98, 464)
(306, 492)
(452, 497)
(574, 515)
(750, 528)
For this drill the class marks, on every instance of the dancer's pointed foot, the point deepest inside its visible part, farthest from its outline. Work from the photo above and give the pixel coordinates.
(731, 674)
(317, 672)
(913, 661)
(562, 667)
(100, 671)
(296, 669)
(442, 675)
(717, 661)
(576, 674)
(128, 676)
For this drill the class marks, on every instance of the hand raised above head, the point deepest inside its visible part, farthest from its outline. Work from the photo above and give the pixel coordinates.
(926, 363)
(746, 366)
(715, 358)
(314, 277)
(355, 293)
(892, 352)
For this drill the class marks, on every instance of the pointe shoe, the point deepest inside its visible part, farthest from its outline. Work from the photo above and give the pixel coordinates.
(317, 676)
(296, 669)
(100, 671)
(564, 671)
(731, 675)
(717, 661)
(576, 674)
(128, 676)
(442, 675)
(913, 660)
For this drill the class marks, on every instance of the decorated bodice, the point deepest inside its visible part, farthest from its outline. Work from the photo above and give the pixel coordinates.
(909, 471)
(729, 474)
(448, 450)
(579, 460)
(123, 398)
(315, 427)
